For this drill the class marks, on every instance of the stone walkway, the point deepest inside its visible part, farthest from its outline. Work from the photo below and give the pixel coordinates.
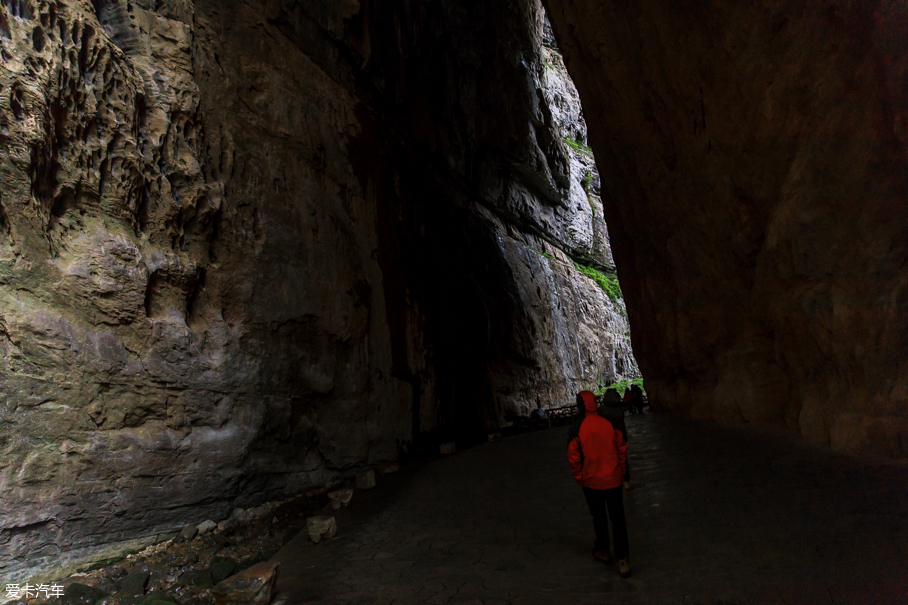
(717, 515)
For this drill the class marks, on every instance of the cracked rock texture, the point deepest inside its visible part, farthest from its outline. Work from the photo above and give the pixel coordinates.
(248, 247)
(754, 177)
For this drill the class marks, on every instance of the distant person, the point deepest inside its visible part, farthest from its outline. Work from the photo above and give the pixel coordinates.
(629, 400)
(637, 398)
(613, 410)
(597, 453)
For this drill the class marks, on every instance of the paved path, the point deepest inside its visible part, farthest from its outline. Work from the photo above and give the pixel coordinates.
(717, 516)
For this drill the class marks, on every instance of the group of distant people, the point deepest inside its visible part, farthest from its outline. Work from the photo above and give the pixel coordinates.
(633, 399)
(597, 454)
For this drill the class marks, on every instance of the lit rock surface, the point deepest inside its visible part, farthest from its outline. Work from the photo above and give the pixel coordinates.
(754, 178)
(245, 247)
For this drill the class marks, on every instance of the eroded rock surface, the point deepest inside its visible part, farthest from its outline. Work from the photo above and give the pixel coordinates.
(246, 247)
(754, 180)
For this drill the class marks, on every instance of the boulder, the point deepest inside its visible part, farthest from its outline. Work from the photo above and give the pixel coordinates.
(258, 512)
(222, 568)
(206, 526)
(341, 497)
(134, 583)
(200, 578)
(228, 524)
(254, 586)
(320, 527)
(187, 533)
(81, 594)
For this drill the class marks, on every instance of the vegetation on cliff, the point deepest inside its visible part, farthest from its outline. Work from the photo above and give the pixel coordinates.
(607, 281)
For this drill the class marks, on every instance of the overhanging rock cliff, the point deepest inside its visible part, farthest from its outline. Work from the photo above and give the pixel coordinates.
(754, 178)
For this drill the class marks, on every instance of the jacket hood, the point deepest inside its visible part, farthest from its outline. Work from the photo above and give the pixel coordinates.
(588, 400)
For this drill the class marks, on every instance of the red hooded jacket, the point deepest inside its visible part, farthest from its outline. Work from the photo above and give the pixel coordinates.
(597, 452)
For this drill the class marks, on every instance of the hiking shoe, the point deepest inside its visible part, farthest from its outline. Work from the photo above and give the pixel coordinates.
(624, 567)
(627, 485)
(603, 555)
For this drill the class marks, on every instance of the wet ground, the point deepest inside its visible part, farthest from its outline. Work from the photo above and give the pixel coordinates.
(716, 515)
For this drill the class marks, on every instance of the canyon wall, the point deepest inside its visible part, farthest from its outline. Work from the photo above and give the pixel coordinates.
(754, 181)
(249, 247)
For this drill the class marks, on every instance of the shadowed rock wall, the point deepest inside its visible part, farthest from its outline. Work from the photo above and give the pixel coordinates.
(755, 184)
(247, 247)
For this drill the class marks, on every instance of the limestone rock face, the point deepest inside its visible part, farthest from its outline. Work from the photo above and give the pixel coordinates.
(754, 181)
(246, 247)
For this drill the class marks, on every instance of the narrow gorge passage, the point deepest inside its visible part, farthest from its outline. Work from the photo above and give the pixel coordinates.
(253, 252)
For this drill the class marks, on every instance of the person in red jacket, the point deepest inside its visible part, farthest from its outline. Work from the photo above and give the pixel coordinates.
(597, 454)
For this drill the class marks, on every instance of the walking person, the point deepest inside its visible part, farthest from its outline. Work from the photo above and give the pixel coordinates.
(629, 400)
(637, 398)
(597, 453)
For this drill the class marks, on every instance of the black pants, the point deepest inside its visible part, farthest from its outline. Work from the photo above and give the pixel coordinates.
(598, 500)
